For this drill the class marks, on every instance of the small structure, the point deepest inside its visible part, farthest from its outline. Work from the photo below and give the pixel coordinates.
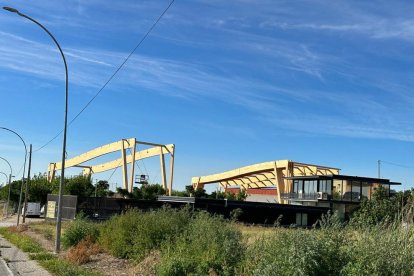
(122, 146)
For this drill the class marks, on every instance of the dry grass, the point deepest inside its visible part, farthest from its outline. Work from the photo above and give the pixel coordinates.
(251, 233)
(82, 252)
(47, 228)
(18, 229)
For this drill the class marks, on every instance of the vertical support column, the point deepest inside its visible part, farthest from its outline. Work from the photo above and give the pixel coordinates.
(279, 181)
(52, 171)
(124, 166)
(171, 170)
(162, 165)
(131, 177)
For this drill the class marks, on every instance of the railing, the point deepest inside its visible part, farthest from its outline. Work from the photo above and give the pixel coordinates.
(299, 196)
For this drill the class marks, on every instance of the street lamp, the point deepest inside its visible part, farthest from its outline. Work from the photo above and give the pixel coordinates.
(24, 170)
(10, 176)
(62, 177)
(5, 175)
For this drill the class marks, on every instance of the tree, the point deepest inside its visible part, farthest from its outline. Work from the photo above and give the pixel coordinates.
(379, 209)
(152, 191)
(102, 188)
(77, 185)
(14, 192)
(39, 188)
(199, 192)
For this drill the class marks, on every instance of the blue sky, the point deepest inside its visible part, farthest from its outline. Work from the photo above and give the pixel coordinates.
(231, 83)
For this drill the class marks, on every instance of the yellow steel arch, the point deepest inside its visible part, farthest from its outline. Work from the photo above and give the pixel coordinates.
(263, 175)
(122, 145)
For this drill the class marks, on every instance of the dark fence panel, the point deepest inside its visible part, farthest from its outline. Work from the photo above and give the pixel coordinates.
(101, 208)
(69, 204)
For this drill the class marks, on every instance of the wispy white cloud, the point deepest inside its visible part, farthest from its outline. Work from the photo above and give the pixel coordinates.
(283, 63)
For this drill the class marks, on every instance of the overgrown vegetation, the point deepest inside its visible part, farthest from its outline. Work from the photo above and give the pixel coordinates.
(378, 240)
(78, 230)
(135, 233)
(51, 262)
(208, 245)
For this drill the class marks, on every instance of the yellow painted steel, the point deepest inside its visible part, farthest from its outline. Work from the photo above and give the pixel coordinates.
(263, 175)
(122, 146)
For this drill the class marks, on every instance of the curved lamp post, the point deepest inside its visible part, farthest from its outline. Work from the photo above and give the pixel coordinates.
(62, 177)
(24, 170)
(10, 176)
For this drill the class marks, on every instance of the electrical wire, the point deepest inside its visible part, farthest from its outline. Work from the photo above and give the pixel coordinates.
(398, 165)
(112, 76)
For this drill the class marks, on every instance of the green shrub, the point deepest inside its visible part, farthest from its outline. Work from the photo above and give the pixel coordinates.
(135, 233)
(380, 251)
(295, 252)
(209, 245)
(77, 230)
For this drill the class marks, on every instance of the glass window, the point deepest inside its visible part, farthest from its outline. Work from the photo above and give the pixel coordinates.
(365, 190)
(298, 219)
(299, 187)
(295, 186)
(304, 219)
(329, 187)
(310, 186)
(337, 189)
(325, 186)
(356, 191)
(301, 219)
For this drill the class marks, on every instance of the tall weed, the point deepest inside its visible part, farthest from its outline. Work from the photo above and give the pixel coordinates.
(295, 252)
(380, 251)
(79, 229)
(210, 245)
(135, 233)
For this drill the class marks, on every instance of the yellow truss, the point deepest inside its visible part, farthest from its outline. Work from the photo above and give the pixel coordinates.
(264, 175)
(122, 145)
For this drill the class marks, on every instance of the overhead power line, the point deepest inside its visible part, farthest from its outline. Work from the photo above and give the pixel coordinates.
(112, 76)
(398, 165)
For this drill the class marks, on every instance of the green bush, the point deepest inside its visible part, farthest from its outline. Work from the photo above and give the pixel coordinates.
(135, 233)
(295, 252)
(380, 251)
(209, 245)
(77, 230)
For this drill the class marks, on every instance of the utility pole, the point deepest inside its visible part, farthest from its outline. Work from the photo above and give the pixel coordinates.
(26, 194)
(379, 168)
(8, 197)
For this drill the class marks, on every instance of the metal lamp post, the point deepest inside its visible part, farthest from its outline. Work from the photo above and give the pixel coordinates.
(62, 178)
(24, 170)
(10, 176)
(7, 178)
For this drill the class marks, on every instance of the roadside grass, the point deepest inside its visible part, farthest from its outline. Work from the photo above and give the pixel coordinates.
(47, 229)
(51, 262)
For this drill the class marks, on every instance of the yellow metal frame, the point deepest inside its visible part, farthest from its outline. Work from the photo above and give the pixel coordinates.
(267, 174)
(122, 145)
